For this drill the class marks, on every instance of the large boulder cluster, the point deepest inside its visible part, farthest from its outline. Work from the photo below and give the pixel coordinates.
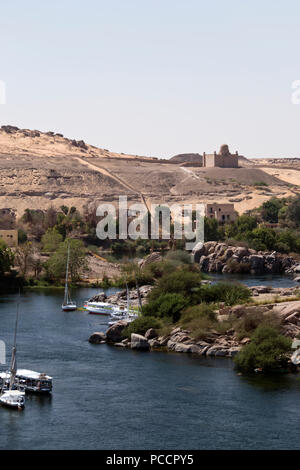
(120, 298)
(223, 258)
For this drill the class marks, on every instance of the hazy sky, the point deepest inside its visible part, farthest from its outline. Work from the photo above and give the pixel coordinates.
(155, 77)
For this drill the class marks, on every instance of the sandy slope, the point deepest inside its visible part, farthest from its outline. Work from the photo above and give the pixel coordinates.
(288, 175)
(38, 170)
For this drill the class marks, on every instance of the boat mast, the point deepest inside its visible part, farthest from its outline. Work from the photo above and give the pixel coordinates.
(128, 299)
(66, 300)
(138, 293)
(13, 363)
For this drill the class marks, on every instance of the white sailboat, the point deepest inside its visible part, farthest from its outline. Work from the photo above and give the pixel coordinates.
(121, 313)
(13, 398)
(68, 305)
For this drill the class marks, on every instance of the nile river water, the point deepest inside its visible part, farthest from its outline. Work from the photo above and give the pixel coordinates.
(107, 398)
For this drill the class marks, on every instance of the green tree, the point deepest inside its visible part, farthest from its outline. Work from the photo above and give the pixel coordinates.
(211, 229)
(51, 239)
(24, 257)
(293, 212)
(270, 210)
(22, 236)
(268, 350)
(181, 281)
(287, 241)
(6, 258)
(141, 324)
(242, 227)
(166, 306)
(56, 265)
(262, 238)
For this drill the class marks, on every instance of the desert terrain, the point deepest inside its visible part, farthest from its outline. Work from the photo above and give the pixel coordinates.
(40, 169)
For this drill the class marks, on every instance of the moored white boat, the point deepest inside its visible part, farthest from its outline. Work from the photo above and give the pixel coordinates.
(13, 399)
(99, 308)
(68, 305)
(33, 382)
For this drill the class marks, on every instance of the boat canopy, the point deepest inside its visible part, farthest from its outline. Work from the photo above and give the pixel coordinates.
(14, 393)
(30, 374)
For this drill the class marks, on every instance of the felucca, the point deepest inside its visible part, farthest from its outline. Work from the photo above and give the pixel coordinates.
(68, 305)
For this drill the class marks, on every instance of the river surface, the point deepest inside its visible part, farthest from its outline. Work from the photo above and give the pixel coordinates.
(107, 398)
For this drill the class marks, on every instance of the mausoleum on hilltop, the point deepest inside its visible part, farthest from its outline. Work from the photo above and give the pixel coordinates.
(223, 159)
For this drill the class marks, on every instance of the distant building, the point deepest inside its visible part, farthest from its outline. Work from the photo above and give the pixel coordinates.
(221, 212)
(10, 237)
(223, 159)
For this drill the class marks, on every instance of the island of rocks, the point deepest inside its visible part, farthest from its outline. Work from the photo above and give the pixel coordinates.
(213, 344)
(217, 257)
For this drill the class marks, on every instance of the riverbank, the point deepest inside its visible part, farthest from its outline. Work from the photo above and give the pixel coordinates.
(213, 342)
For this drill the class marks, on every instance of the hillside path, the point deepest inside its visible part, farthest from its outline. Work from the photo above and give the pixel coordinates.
(116, 178)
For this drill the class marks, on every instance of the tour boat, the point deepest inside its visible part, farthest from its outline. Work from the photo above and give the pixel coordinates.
(68, 305)
(27, 381)
(99, 308)
(33, 382)
(12, 398)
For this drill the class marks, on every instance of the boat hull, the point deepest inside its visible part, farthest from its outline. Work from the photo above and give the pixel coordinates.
(97, 312)
(69, 308)
(12, 406)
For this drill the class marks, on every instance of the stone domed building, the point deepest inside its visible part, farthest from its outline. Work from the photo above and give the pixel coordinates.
(223, 159)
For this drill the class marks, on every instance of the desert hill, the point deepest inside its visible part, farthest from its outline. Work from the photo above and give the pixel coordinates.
(39, 169)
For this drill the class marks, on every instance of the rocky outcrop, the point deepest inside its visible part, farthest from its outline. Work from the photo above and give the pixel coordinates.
(114, 333)
(120, 298)
(152, 258)
(139, 342)
(275, 291)
(97, 338)
(220, 257)
(214, 344)
(151, 333)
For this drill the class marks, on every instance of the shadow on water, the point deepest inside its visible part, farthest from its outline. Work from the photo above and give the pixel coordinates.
(272, 382)
(39, 399)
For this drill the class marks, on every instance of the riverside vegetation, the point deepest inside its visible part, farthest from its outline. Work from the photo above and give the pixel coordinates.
(41, 252)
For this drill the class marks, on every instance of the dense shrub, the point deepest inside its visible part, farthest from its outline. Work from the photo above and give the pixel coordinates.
(199, 319)
(51, 240)
(168, 306)
(178, 257)
(141, 325)
(6, 258)
(268, 350)
(229, 293)
(238, 268)
(270, 210)
(247, 324)
(22, 236)
(181, 281)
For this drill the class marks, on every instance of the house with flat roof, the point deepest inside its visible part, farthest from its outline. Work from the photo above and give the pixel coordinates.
(223, 213)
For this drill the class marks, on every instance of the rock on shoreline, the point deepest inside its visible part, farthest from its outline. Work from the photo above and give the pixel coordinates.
(213, 344)
(223, 258)
(120, 298)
